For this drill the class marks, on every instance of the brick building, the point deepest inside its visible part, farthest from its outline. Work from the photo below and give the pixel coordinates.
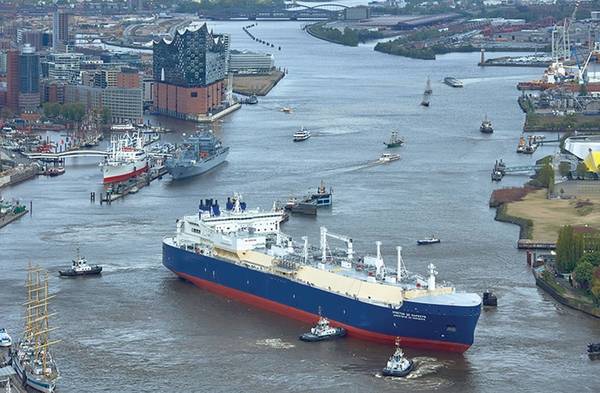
(189, 74)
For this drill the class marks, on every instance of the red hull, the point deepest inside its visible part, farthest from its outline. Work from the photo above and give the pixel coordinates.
(313, 318)
(127, 176)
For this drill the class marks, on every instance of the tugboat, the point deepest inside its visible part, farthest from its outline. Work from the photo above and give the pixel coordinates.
(395, 140)
(489, 299)
(5, 340)
(486, 126)
(593, 350)
(430, 240)
(388, 157)
(81, 268)
(398, 365)
(322, 331)
(301, 135)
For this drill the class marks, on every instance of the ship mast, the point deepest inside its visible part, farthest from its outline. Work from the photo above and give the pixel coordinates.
(37, 324)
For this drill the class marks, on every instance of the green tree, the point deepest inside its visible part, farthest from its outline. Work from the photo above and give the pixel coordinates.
(568, 122)
(51, 110)
(593, 258)
(546, 176)
(106, 116)
(581, 170)
(569, 249)
(564, 168)
(584, 273)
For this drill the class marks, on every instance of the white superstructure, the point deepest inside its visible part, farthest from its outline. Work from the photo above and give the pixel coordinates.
(127, 158)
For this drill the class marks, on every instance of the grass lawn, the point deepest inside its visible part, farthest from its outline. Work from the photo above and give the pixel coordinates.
(549, 215)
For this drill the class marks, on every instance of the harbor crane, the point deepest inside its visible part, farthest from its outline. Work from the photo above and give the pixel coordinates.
(346, 239)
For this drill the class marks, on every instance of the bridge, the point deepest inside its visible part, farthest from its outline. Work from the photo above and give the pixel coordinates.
(522, 169)
(291, 12)
(66, 154)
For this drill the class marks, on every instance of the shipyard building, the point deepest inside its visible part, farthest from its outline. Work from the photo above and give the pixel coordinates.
(189, 74)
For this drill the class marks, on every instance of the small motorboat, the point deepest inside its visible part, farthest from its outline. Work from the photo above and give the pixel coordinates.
(388, 157)
(398, 365)
(286, 109)
(429, 240)
(57, 171)
(252, 100)
(5, 339)
(522, 145)
(395, 140)
(133, 190)
(301, 135)
(486, 126)
(81, 268)
(323, 331)
(593, 350)
(453, 82)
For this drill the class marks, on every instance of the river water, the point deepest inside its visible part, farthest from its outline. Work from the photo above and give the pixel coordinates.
(138, 328)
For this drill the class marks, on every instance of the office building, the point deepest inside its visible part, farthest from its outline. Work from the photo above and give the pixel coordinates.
(29, 79)
(60, 29)
(250, 62)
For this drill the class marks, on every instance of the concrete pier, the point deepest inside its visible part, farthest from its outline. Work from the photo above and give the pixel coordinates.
(11, 217)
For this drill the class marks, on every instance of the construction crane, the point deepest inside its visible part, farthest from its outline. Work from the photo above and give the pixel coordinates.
(561, 40)
(346, 239)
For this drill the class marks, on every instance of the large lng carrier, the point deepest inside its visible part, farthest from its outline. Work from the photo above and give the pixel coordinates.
(242, 254)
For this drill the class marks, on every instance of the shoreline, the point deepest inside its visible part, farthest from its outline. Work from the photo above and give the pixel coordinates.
(571, 302)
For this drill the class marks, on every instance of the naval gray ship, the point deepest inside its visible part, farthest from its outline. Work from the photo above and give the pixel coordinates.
(198, 154)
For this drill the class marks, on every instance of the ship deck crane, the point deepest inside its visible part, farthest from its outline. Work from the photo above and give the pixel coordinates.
(346, 239)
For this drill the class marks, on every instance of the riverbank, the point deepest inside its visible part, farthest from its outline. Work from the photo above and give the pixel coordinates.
(541, 218)
(318, 30)
(548, 122)
(561, 291)
(8, 218)
(259, 85)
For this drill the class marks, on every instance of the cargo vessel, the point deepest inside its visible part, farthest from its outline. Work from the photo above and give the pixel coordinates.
(242, 254)
(198, 154)
(127, 158)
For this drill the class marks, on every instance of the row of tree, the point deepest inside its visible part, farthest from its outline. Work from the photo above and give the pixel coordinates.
(74, 112)
(579, 253)
(347, 37)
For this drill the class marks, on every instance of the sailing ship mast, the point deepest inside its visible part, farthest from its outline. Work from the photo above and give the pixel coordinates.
(427, 93)
(37, 324)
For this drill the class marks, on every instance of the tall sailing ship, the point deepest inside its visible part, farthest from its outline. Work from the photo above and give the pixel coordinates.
(31, 357)
(427, 93)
